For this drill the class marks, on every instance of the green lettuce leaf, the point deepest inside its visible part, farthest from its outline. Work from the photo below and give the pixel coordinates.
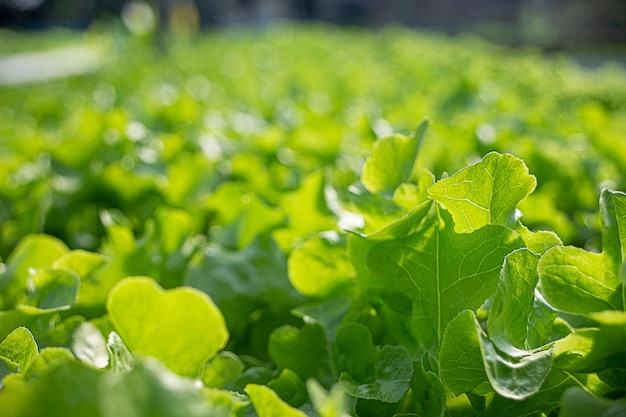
(181, 327)
(469, 358)
(320, 267)
(518, 318)
(20, 348)
(421, 257)
(391, 161)
(484, 193)
(578, 281)
(33, 252)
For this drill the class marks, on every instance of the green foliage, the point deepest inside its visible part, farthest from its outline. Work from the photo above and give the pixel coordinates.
(245, 235)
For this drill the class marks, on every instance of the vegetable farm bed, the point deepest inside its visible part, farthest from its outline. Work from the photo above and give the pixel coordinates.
(308, 221)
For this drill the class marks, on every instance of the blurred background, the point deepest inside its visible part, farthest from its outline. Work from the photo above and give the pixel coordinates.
(550, 24)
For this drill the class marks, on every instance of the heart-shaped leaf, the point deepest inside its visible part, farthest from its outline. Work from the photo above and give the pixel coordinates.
(181, 327)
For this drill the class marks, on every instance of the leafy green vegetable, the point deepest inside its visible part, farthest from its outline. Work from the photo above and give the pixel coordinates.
(441, 271)
(518, 319)
(35, 251)
(320, 266)
(186, 329)
(579, 281)
(484, 193)
(17, 352)
(391, 161)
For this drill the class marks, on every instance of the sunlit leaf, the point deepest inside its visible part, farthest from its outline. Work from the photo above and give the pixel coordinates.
(184, 328)
(484, 193)
(268, 404)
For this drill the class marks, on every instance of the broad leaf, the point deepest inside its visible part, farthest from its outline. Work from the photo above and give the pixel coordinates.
(86, 265)
(176, 226)
(49, 358)
(226, 403)
(461, 363)
(578, 281)
(24, 316)
(582, 282)
(466, 347)
(356, 353)
(429, 396)
(307, 210)
(613, 213)
(484, 193)
(320, 267)
(20, 348)
(7, 367)
(545, 401)
(329, 313)
(391, 161)
(517, 313)
(182, 327)
(443, 272)
(241, 215)
(33, 252)
(409, 195)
